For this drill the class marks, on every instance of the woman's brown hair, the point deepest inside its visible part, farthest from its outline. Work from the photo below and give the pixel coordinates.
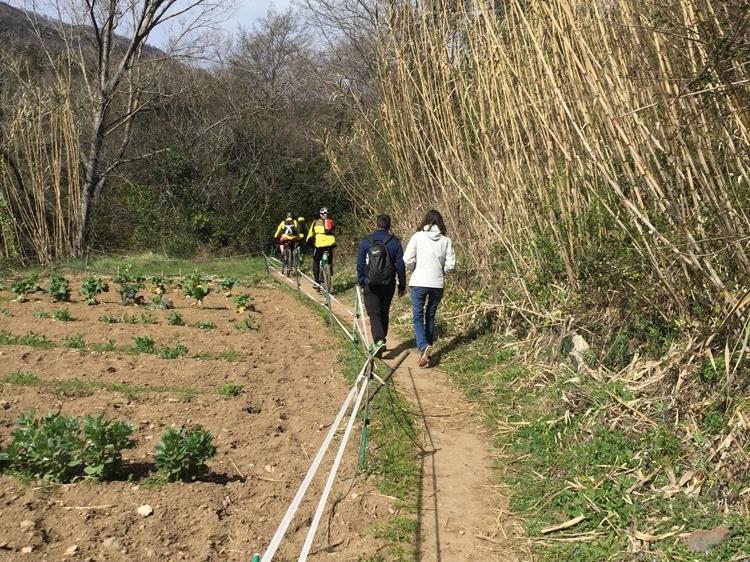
(433, 218)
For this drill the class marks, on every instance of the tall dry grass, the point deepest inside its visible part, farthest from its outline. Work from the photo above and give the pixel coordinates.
(40, 169)
(569, 144)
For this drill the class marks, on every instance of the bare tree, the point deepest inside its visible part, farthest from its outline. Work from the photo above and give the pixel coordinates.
(109, 42)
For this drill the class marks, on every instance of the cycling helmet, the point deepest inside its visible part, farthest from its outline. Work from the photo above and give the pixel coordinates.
(300, 219)
(289, 215)
(323, 211)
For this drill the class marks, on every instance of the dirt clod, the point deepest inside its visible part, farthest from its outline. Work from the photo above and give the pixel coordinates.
(704, 540)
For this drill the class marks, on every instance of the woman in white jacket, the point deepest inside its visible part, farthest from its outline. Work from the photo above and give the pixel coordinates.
(429, 254)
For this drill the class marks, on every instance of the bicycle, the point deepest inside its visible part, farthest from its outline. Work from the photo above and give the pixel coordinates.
(288, 260)
(325, 271)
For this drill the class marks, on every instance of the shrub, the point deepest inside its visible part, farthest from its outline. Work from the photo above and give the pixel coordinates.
(25, 287)
(231, 389)
(243, 303)
(107, 319)
(40, 314)
(175, 319)
(195, 288)
(160, 301)
(104, 441)
(227, 285)
(48, 448)
(75, 342)
(206, 325)
(129, 285)
(182, 453)
(63, 315)
(58, 288)
(173, 352)
(159, 284)
(92, 287)
(144, 344)
(245, 325)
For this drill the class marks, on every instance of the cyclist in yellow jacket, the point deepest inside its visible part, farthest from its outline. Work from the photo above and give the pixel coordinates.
(321, 237)
(287, 233)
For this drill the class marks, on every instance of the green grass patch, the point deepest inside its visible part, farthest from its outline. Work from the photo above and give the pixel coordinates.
(569, 459)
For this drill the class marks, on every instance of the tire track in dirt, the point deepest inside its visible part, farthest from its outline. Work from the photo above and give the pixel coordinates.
(463, 509)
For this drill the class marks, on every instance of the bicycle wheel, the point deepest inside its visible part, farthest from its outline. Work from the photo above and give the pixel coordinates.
(325, 275)
(287, 268)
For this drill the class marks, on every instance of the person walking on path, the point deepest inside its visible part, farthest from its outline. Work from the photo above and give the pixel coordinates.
(380, 263)
(429, 254)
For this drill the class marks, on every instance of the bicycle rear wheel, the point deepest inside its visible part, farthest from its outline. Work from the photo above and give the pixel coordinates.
(287, 267)
(325, 275)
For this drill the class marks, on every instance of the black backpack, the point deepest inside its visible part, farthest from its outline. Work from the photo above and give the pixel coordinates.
(379, 268)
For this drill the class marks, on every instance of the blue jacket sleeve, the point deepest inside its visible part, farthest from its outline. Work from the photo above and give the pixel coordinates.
(361, 257)
(398, 262)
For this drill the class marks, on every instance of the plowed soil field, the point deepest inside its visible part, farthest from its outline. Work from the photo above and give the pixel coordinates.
(266, 436)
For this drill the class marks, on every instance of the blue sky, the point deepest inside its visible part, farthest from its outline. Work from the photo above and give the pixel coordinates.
(244, 14)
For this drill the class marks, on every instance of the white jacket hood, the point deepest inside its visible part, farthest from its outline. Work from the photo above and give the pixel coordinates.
(433, 232)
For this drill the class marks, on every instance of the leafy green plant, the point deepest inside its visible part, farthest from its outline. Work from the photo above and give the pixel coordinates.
(109, 345)
(107, 319)
(22, 378)
(129, 285)
(47, 447)
(231, 389)
(227, 284)
(245, 325)
(29, 338)
(160, 301)
(243, 303)
(182, 453)
(75, 342)
(175, 319)
(195, 288)
(712, 370)
(173, 352)
(159, 284)
(58, 288)
(25, 287)
(92, 287)
(40, 314)
(104, 441)
(6, 312)
(144, 344)
(62, 315)
(205, 325)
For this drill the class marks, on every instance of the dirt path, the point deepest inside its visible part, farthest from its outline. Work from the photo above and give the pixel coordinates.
(463, 509)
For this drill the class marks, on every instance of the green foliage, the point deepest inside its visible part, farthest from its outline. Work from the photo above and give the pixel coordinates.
(173, 352)
(40, 314)
(713, 370)
(196, 288)
(62, 315)
(227, 284)
(231, 389)
(6, 312)
(21, 378)
(107, 319)
(25, 287)
(104, 441)
(58, 288)
(162, 302)
(129, 284)
(243, 302)
(205, 325)
(159, 284)
(109, 345)
(47, 447)
(144, 344)
(182, 453)
(175, 319)
(30, 338)
(245, 325)
(92, 287)
(75, 342)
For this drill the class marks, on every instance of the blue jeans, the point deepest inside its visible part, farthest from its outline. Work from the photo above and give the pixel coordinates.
(424, 303)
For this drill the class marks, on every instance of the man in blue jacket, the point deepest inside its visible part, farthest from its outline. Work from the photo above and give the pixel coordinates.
(380, 263)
